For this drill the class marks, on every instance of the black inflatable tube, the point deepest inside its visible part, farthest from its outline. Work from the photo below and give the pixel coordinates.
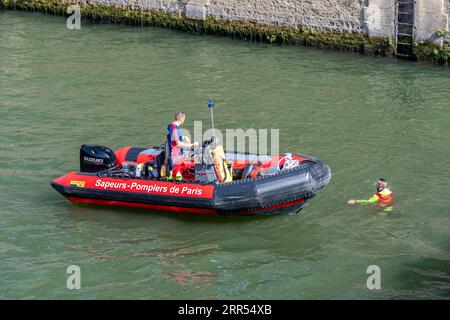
(302, 182)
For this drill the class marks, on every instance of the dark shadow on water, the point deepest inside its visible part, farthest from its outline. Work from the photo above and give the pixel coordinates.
(422, 278)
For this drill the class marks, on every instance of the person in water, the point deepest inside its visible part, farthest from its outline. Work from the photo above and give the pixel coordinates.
(176, 145)
(383, 198)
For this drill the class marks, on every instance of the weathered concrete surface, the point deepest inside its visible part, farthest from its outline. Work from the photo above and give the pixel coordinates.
(196, 9)
(373, 17)
(379, 17)
(430, 16)
(163, 5)
(335, 14)
(447, 6)
(331, 14)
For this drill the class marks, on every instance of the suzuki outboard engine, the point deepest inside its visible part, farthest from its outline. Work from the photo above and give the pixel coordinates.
(97, 159)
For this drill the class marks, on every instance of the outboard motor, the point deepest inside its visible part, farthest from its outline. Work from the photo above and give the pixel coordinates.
(97, 159)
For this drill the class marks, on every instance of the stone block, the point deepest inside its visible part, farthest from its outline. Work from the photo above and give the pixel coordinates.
(195, 12)
(430, 16)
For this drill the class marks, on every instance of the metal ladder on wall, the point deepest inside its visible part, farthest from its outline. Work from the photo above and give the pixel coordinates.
(404, 29)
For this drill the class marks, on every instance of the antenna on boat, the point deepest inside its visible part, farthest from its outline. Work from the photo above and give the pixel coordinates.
(211, 105)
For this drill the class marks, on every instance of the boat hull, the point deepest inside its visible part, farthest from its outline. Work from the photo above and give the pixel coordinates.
(285, 192)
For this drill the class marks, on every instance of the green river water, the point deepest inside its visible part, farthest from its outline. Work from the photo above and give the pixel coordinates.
(117, 85)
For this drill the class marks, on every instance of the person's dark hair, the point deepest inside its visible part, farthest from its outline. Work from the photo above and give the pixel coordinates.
(179, 115)
(382, 183)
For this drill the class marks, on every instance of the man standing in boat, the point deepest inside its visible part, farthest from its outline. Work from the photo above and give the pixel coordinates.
(175, 146)
(383, 197)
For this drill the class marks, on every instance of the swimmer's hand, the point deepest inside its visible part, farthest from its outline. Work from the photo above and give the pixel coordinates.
(351, 201)
(195, 145)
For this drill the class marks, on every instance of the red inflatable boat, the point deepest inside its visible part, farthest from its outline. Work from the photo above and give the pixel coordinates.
(213, 181)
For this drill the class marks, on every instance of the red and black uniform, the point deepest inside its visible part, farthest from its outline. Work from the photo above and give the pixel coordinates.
(175, 152)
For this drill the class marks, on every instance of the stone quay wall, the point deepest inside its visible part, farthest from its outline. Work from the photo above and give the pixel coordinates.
(371, 17)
